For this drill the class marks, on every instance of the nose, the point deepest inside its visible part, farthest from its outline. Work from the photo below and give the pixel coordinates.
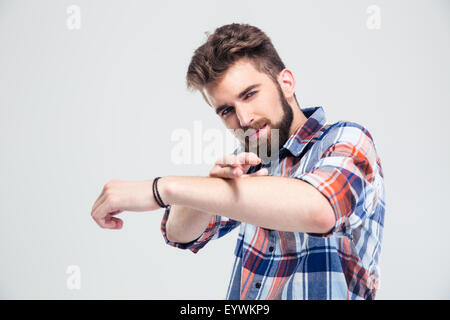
(245, 119)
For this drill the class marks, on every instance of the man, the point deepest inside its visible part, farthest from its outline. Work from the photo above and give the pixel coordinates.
(310, 215)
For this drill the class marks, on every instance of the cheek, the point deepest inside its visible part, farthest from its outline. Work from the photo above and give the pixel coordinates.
(277, 114)
(269, 109)
(231, 122)
(232, 127)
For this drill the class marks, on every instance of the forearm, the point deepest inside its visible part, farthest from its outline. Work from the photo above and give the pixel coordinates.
(185, 224)
(277, 203)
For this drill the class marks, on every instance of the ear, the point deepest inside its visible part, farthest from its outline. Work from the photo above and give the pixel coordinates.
(287, 82)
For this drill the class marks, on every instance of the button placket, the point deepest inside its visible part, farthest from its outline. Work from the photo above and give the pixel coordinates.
(272, 241)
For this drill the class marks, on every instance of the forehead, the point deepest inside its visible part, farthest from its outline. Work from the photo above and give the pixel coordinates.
(238, 77)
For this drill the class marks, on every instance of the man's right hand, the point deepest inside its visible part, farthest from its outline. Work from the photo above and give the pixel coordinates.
(236, 166)
(186, 224)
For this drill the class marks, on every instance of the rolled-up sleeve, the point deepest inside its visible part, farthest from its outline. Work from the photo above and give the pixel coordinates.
(218, 227)
(347, 175)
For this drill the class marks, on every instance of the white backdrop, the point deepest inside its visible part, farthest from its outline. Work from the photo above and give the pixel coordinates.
(86, 101)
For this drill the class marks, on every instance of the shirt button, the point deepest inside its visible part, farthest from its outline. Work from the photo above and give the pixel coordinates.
(258, 285)
(270, 249)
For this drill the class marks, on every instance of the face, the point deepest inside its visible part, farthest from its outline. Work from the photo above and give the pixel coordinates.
(253, 107)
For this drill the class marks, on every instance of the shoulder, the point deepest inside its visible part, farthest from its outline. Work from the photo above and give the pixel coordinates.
(346, 131)
(350, 139)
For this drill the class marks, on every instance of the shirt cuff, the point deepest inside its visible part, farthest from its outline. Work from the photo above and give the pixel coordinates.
(194, 245)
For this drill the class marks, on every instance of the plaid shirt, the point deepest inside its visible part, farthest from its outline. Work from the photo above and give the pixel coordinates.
(339, 160)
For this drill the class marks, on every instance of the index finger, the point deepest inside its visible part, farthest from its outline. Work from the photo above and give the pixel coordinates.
(248, 158)
(239, 159)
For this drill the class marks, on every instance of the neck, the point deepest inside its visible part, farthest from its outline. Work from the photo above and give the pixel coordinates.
(298, 118)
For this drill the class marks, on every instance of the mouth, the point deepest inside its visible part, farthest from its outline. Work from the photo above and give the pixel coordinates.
(259, 132)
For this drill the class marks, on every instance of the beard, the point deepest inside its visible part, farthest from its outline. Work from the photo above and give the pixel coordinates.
(264, 145)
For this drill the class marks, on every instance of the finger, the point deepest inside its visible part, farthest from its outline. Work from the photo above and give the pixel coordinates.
(102, 214)
(242, 158)
(213, 171)
(226, 172)
(101, 198)
(217, 167)
(248, 158)
(115, 212)
(220, 171)
(245, 168)
(99, 203)
(114, 223)
(227, 160)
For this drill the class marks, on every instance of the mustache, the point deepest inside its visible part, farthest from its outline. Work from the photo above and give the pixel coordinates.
(257, 125)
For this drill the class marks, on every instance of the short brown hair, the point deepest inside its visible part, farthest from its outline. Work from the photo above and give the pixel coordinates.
(224, 47)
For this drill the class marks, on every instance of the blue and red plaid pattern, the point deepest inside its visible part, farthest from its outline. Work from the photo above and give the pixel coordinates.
(339, 160)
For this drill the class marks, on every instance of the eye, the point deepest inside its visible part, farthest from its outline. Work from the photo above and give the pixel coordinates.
(224, 112)
(250, 94)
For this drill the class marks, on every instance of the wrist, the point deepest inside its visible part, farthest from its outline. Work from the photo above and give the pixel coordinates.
(164, 189)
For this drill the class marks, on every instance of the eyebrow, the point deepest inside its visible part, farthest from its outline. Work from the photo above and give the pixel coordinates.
(243, 93)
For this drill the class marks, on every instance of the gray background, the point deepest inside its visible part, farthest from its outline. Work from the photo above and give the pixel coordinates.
(82, 107)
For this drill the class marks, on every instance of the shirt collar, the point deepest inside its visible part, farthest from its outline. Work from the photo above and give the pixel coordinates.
(299, 139)
(304, 133)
